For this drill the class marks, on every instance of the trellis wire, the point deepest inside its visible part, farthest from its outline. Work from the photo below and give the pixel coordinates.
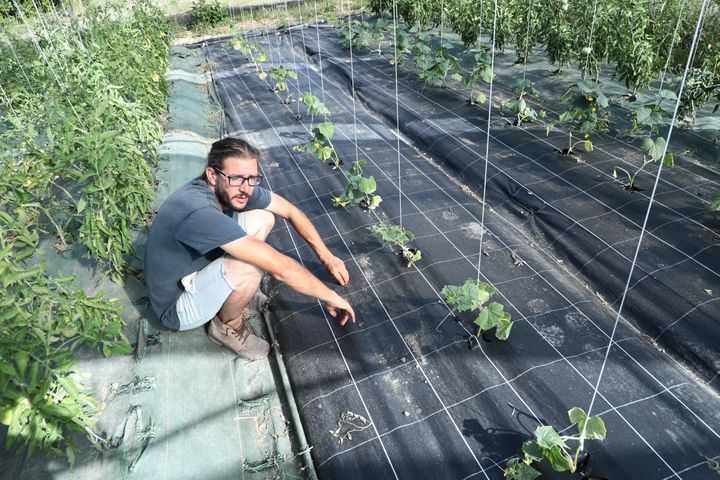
(397, 109)
(352, 87)
(693, 47)
(589, 45)
(9, 103)
(322, 80)
(487, 139)
(40, 54)
(292, 49)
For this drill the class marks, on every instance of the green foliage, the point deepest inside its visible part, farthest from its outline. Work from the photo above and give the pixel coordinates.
(243, 45)
(715, 204)
(204, 14)
(550, 445)
(481, 70)
(399, 237)
(314, 105)
(519, 106)
(359, 189)
(474, 295)
(586, 114)
(701, 85)
(653, 150)
(75, 156)
(320, 144)
(360, 33)
(435, 64)
(280, 74)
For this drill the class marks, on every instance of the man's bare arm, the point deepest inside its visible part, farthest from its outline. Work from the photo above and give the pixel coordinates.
(256, 252)
(335, 267)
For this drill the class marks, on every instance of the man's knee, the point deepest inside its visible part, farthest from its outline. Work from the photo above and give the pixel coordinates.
(259, 223)
(237, 272)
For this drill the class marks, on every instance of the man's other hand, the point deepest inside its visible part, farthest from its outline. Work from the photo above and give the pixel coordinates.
(336, 268)
(339, 304)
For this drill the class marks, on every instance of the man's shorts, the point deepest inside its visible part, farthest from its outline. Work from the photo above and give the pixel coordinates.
(205, 292)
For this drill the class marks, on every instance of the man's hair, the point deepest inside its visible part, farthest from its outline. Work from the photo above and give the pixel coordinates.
(229, 147)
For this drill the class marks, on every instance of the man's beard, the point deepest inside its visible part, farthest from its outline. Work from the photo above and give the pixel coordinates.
(225, 199)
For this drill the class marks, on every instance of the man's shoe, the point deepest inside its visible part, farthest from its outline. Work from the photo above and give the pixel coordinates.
(256, 303)
(240, 341)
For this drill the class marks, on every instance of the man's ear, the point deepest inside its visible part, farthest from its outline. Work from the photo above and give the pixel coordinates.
(211, 176)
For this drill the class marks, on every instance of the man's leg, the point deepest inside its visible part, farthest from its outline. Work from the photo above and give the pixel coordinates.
(244, 277)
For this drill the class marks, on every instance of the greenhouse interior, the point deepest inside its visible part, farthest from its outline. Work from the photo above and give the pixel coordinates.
(458, 188)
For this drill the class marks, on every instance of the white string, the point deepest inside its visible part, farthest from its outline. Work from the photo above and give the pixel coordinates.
(397, 110)
(526, 53)
(307, 62)
(352, 88)
(40, 53)
(27, 80)
(672, 44)
(590, 40)
(322, 81)
(9, 103)
(292, 49)
(487, 139)
(647, 213)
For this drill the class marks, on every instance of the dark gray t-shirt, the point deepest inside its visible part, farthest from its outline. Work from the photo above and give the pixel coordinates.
(184, 238)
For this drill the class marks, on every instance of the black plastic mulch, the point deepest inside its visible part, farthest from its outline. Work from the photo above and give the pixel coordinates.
(558, 243)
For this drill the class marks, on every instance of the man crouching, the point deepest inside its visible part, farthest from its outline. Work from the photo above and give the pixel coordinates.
(206, 252)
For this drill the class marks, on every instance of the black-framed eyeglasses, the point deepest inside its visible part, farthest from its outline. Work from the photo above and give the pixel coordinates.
(238, 180)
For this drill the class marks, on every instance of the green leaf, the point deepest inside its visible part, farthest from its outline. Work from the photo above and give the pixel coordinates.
(502, 332)
(588, 146)
(642, 114)
(326, 129)
(558, 460)
(653, 148)
(547, 437)
(518, 470)
(595, 429)
(669, 160)
(532, 451)
(715, 204)
(457, 77)
(668, 94)
(577, 416)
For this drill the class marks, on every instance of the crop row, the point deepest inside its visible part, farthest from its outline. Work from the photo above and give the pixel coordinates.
(81, 105)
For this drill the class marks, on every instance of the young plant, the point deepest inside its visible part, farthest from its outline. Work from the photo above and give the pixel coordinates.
(480, 71)
(652, 149)
(359, 189)
(551, 445)
(281, 74)
(314, 106)
(320, 144)
(584, 115)
(358, 32)
(648, 117)
(473, 295)
(519, 107)
(242, 44)
(434, 65)
(398, 236)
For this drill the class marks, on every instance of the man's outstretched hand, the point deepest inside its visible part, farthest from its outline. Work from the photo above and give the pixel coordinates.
(339, 304)
(336, 268)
